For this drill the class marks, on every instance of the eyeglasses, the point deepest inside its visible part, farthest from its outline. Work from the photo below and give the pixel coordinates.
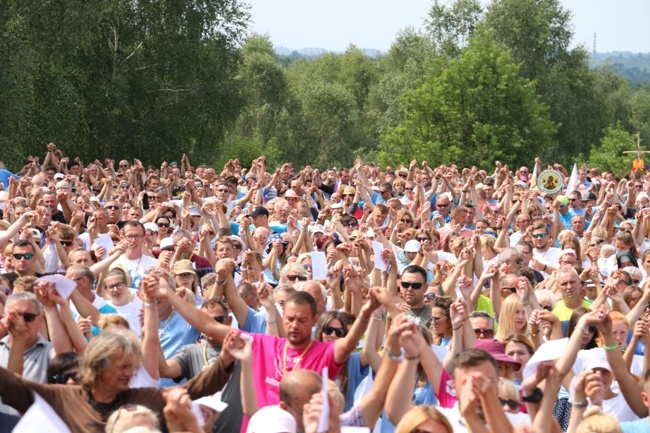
(112, 207)
(488, 333)
(519, 261)
(414, 286)
(422, 239)
(115, 286)
(26, 256)
(591, 329)
(222, 190)
(430, 296)
(539, 235)
(437, 319)
(573, 199)
(512, 404)
(406, 221)
(385, 192)
(28, 317)
(66, 243)
(220, 319)
(547, 307)
(124, 165)
(511, 289)
(350, 225)
(636, 281)
(131, 237)
(296, 277)
(63, 378)
(442, 205)
(163, 225)
(338, 331)
(307, 267)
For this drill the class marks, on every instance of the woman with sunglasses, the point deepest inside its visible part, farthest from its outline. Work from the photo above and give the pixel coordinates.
(441, 331)
(119, 296)
(332, 326)
(63, 369)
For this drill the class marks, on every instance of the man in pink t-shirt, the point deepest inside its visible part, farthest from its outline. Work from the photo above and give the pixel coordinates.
(273, 357)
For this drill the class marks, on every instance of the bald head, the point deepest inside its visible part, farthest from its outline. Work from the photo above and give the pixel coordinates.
(296, 389)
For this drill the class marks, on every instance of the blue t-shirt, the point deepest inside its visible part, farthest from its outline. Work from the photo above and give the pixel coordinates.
(637, 426)
(255, 322)
(4, 177)
(356, 373)
(174, 333)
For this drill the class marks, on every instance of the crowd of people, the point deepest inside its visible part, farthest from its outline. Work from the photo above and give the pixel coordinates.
(388, 299)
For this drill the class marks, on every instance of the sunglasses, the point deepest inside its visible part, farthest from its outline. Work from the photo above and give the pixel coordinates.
(338, 331)
(66, 243)
(512, 404)
(222, 190)
(442, 205)
(220, 319)
(414, 286)
(26, 256)
(63, 378)
(430, 296)
(489, 333)
(348, 195)
(422, 239)
(163, 225)
(539, 235)
(296, 277)
(547, 307)
(511, 289)
(592, 329)
(112, 207)
(28, 317)
(519, 261)
(115, 286)
(409, 189)
(406, 221)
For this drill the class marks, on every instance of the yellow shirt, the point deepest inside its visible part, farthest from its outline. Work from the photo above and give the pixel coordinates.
(563, 312)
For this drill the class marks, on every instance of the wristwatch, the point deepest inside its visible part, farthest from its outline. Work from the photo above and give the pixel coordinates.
(535, 397)
(398, 358)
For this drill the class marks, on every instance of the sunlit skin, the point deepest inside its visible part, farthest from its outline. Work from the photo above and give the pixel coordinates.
(518, 352)
(117, 290)
(440, 324)
(620, 331)
(81, 257)
(520, 318)
(116, 375)
(334, 323)
(298, 321)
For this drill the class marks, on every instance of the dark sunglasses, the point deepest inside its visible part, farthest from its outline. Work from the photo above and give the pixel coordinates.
(442, 205)
(539, 235)
(296, 277)
(406, 221)
(63, 378)
(512, 404)
(26, 256)
(511, 289)
(28, 317)
(112, 207)
(414, 286)
(163, 225)
(66, 243)
(220, 319)
(422, 239)
(547, 308)
(338, 331)
(489, 333)
(519, 261)
(430, 296)
(409, 189)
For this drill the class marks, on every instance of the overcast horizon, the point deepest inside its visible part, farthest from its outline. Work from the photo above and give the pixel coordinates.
(374, 24)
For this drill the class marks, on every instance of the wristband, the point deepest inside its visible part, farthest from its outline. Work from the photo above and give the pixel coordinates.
(610, 348)
(535, 397)
(271, 322)
(221, 283)
(363, 319)
(580, 405)
(412, 358)
(398, 358)
(457, 328)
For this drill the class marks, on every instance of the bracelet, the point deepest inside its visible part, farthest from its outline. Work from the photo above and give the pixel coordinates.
(412, 358)
(243, 269)
(363, 319)
(580, 405)
(398, 358)
(610, 348)
(379, 319)
(221, 283)
(526, 302)
(459, 326)
(271, 322)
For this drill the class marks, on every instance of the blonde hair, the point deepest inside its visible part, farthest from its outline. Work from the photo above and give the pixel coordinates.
(508, 389)
(123, 419)
(507, 318)
(421, 414)
(595, 421)
(106, 320)
(102, 349)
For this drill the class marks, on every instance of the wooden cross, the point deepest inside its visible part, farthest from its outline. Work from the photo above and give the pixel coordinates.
(638, 150)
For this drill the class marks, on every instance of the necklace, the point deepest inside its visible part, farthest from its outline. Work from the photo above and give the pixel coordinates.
(205, 356)
(160, 334)
(295, 365)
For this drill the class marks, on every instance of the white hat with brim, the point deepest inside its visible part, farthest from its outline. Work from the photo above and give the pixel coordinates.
(272, 419)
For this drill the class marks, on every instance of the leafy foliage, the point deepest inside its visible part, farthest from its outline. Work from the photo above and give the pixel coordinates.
(608, 155)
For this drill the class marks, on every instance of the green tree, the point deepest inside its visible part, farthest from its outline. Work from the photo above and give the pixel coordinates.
(450, 26)
(120, 78)
(608, 155)
(471, 110)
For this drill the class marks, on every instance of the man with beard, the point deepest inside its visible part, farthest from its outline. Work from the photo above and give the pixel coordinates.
(193, 358)
(413, 285)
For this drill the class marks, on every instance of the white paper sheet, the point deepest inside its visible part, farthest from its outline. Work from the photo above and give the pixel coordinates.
(549, 351)
(318, 265)
(324, 423)
(105, 242)
(64, 285)
(40, 417)
(377, 248)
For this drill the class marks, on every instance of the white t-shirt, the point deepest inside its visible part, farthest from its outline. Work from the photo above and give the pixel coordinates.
(131, 312)
(135, 269)
(550, 257)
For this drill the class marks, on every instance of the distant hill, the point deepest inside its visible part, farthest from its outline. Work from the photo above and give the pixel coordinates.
(311, 53)
(633, 66)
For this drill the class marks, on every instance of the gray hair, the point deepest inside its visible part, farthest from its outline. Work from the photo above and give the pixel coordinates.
(24, 296)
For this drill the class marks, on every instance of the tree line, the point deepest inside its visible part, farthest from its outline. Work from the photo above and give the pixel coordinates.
(152, 79)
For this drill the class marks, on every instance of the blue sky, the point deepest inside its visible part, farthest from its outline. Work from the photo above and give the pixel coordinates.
(334, 24)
